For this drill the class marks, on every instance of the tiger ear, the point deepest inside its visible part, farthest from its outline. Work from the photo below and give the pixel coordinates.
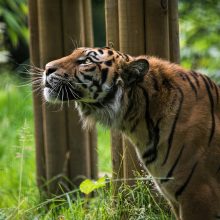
(134, 71)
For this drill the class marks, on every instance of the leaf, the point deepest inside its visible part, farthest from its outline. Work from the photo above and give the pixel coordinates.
(101, 182)
(88, 186)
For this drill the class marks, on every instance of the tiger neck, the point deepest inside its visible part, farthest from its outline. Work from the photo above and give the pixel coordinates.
(107, 112)
(140, 123)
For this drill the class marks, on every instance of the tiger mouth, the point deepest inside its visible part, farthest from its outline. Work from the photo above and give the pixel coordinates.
(61, 93)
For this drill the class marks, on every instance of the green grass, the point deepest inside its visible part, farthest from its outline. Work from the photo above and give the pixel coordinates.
(19, 198)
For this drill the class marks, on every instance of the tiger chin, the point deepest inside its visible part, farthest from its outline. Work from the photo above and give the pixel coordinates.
(170, 114)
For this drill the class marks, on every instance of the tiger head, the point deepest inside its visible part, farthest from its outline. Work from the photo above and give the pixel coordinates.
(95, 78)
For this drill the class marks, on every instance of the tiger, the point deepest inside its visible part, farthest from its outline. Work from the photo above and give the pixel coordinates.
(170, 114)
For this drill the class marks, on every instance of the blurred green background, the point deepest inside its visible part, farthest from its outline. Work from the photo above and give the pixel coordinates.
(200, 50)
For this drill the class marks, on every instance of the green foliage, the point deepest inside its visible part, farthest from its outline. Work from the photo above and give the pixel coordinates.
(14, 15)
(200, 30)
(16, 146)
(88, 186)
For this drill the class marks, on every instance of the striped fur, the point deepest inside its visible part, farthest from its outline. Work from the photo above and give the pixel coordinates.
(171, 115)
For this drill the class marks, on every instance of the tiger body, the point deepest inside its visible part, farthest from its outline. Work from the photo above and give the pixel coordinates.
(170, 114)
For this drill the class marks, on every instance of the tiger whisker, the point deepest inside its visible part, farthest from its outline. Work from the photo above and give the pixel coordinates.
(58, 93)
(36, 82)
(62, 95)
(73, 91)
(37, 90)
(67, 95)
(55, 88)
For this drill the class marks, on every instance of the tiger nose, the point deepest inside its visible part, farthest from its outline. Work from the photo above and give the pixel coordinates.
(50, 69)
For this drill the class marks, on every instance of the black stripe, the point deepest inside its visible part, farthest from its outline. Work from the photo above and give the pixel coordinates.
(217, 216)
(130, 105)
(81, 83)
(155, 83)
(149, 121)
(217, 94)
(218, 170)
(110, 52)
(195, 73)
(166, 82)
(195, 76)
(108, 63)
(136, 122)
(183, 187)
(119, 53)
(94, 57)
(95, 95)
(110, 96)
(212, 109)
(96, 83)
(126, 56)
(151, 154)
(90, 69)
(209, 81)
(105, 47)
(192, 85)
(183, 76)
(116, 75)
(104, 74)
(100, 51)
(87, 77)
(93, 53)
(170, 140)
(170, 173)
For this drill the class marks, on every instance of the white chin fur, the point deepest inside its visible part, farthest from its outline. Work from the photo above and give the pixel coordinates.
(48, 96)
(44, 78)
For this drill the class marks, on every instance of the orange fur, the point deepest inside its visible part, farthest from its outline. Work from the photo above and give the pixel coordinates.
(171, 115)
